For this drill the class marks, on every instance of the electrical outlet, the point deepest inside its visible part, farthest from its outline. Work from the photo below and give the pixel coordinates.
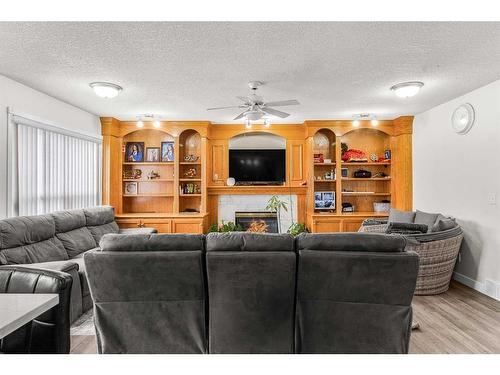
(492, 199)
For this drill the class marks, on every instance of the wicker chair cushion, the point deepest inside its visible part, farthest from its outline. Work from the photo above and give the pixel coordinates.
(397, 216)
(426, 218)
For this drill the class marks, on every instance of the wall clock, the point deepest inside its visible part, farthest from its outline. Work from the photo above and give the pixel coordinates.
(463, 118)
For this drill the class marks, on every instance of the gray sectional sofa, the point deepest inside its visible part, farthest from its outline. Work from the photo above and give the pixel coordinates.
(253, 293)
(57, 242)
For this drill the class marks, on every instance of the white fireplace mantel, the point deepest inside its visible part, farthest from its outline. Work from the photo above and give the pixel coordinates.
(229, 204)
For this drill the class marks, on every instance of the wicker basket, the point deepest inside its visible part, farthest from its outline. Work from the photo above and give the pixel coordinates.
(437, 261)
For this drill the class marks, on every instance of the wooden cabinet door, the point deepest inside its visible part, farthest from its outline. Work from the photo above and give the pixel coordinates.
(327, 225)
(219, 167)
(351, 225)
(129, 223)
(161, 225)
(187, 226)
(296, 151)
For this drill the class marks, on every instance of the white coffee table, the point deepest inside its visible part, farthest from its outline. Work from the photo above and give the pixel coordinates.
(18, 309)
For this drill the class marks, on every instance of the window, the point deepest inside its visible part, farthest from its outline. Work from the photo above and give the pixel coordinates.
(52, 169)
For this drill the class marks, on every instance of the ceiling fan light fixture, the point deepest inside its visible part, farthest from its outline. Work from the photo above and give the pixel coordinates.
(407, 89)
(106, 89)
(253, 115)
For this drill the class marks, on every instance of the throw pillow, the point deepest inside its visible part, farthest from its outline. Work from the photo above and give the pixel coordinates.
(397, 216)
(406, 228)
(425, 218)
(443, 224)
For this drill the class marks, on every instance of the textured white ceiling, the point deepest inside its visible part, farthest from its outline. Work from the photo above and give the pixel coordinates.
(177, 70)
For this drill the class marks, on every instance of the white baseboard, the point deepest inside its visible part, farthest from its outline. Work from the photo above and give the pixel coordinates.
(490, 287)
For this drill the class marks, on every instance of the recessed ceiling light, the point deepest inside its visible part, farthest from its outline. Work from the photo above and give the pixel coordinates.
(407, 89)
(106, 89)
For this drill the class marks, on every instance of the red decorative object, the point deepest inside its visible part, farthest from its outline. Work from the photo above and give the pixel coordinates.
(318, 158)
(354, 155)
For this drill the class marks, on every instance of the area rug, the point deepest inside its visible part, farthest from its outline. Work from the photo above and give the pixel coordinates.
(84, 326)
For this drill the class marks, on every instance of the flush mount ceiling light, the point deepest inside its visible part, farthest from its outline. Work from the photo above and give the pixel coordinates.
(407, 89)
(105, 89)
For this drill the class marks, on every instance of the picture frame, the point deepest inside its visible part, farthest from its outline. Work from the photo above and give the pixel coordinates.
(130, 188)
(324, 200)
(153, 154)
(134, 152)
(167, 151)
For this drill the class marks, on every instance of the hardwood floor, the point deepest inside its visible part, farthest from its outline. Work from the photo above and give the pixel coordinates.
(458, 321)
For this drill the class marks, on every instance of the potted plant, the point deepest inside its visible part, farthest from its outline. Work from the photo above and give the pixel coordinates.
(274, 204)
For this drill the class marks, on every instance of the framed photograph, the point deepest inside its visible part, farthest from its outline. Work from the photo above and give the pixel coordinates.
(167, 151)
(153, 154)
(130, 188)
(387, 154)
(134, 152)
(324, 200)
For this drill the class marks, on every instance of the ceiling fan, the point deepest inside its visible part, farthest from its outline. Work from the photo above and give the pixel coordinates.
(256, 108)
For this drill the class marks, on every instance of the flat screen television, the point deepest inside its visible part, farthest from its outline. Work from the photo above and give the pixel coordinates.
(257, 167)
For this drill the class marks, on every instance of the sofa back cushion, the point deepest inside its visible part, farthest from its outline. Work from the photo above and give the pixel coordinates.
(100, 220)
(368, 242)
(152, 242)
(354, 301)
(247, 241)
(158, 296)
(71, 230)
(251, 286)
(29, 239)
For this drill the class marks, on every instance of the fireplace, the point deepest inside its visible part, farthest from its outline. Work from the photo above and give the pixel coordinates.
(257, 221)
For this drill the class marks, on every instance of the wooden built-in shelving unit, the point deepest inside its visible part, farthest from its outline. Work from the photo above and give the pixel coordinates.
(184, 199)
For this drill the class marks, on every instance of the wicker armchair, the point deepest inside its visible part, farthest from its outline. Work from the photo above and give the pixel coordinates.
(438, 254)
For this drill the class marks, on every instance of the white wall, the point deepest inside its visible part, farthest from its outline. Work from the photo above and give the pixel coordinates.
(26, 101)
(457, 174)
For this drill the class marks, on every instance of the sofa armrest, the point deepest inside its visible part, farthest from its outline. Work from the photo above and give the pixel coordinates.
(138, 231)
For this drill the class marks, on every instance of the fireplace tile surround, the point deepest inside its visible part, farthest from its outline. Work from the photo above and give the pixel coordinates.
(229, 204)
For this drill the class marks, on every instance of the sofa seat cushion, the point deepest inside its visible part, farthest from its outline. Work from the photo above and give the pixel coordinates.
(426, 219)
(29, 239)
(82, 273)
(397, 216)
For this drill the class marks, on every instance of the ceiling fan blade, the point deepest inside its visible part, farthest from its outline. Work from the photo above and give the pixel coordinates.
(275, 112)
(241, 115)
(232, 106)
(282, 103)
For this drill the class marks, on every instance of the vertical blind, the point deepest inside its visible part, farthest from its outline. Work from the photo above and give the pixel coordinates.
(56, 171)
